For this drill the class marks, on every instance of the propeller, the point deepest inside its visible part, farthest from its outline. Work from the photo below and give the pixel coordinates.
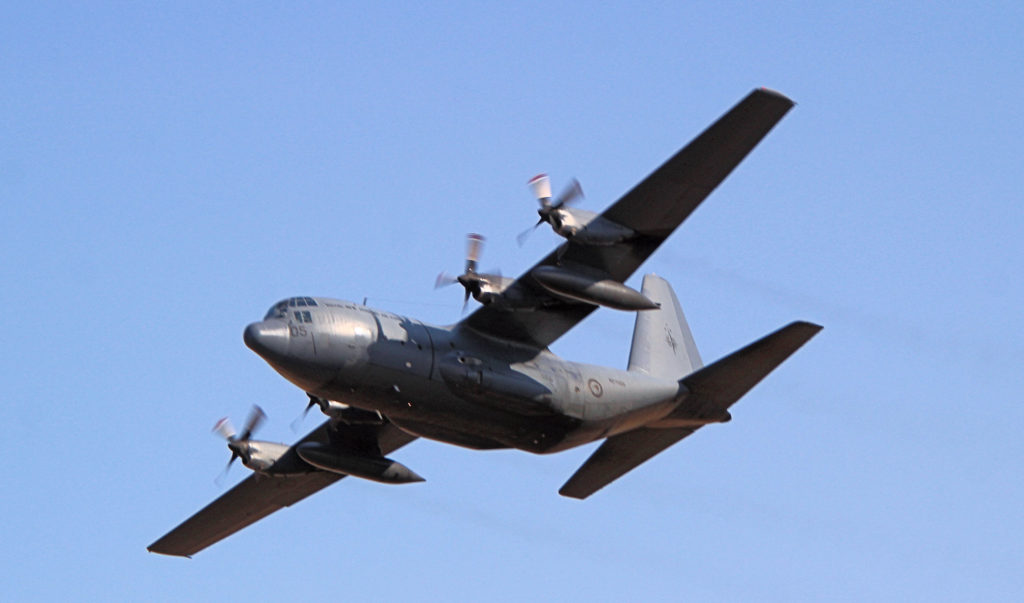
(239, 445)
(298, 420)
(470, 280)
(313, 401)
(541, 187)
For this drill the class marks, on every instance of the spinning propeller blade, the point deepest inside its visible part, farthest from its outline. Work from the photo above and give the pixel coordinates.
(236, 445)
(541, 187)
(470, 279)
(256, 418)
(474, 243)
(444, 279)
(298, 420)
(225, 429)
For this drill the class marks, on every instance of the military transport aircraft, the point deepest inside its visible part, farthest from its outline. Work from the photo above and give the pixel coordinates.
(489, 381)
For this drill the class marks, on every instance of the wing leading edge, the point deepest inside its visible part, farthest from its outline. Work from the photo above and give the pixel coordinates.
(653, 209)
(255, 497)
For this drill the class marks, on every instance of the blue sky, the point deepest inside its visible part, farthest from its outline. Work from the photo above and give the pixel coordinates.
(168, 171)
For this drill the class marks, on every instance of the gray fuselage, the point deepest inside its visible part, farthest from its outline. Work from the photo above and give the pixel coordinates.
(452, 384)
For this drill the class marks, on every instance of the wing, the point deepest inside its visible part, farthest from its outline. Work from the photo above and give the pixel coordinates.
(653, 209)
(258, 496)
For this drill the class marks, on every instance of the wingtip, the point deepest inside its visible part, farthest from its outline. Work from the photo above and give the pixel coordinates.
(809, 325)
(803, 329)
(774, 93)
(150, 549)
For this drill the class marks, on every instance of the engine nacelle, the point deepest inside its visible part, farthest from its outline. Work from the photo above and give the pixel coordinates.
(600, 291)
(378, 469)
(270, 458)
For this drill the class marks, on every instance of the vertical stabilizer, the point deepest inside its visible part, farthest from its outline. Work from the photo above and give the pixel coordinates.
(662, 343)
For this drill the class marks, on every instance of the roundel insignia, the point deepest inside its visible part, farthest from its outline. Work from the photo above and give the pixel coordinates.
(595, 388)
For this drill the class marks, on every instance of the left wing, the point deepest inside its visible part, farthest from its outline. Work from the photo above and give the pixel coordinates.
(652, 209)
(257, 496)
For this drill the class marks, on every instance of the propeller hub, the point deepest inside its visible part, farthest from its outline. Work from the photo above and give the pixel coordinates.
(470, 281)
(237, 447)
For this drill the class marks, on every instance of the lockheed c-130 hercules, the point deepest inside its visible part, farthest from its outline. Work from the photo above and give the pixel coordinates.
(490, 381)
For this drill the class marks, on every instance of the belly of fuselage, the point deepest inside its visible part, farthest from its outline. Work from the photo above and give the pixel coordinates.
(404, 369)
(427, 408)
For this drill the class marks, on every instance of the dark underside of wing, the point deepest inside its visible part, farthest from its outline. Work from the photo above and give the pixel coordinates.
(653, 209)
(256, 496)
(619, 455)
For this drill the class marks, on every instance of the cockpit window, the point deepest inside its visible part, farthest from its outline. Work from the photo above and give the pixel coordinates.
(280, 309)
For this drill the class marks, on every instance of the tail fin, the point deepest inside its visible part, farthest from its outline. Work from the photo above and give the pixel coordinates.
(662, 343)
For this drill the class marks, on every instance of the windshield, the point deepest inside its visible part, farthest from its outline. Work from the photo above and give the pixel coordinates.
(280, 309)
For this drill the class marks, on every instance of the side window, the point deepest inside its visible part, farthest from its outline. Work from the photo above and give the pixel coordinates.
(306, 317)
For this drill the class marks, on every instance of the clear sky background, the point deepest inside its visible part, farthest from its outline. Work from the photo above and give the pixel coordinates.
(169, 171)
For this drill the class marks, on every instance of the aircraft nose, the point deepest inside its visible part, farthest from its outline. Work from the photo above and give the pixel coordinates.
(267, 339)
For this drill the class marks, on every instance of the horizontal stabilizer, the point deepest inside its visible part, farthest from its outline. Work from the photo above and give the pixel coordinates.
(722, 383)
(618, 455)
(713, 388)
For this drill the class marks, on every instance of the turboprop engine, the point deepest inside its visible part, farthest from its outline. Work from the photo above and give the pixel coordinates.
(267, 458)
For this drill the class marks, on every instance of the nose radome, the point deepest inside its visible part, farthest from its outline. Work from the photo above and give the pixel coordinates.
(267, 340)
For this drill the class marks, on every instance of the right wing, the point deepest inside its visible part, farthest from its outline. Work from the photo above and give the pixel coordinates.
(653, 209)
(257, 496)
